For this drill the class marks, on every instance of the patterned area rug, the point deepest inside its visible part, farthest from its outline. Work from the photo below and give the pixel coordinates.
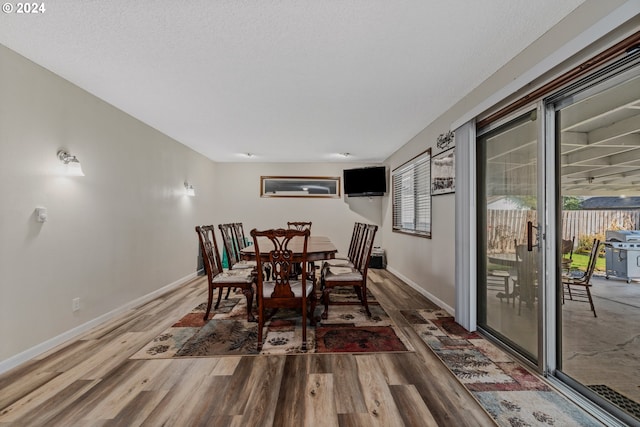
(227, 332)
(509, 392)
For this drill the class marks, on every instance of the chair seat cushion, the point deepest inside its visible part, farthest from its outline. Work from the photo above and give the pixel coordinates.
(234, 276)
(244, 265)
(343, 262)
(342, 274)
(296, 288)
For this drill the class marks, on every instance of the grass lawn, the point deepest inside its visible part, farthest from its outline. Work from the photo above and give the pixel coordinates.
(580, 262)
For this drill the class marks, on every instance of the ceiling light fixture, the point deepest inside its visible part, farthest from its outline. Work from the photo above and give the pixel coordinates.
(345, 155)
(71, 164)
(188, 188)
(250, 155)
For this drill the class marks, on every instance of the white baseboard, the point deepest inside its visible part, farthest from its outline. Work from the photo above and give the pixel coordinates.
(423, 291)
(32, 352)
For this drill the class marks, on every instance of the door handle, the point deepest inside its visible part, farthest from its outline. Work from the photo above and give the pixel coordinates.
(530, 228)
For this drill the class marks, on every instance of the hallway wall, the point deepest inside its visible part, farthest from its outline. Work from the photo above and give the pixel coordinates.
(119, 233)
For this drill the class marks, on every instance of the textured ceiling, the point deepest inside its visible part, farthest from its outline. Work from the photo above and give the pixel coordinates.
(290, 80)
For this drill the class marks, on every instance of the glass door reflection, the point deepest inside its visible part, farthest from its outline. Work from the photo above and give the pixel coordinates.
(508, 254)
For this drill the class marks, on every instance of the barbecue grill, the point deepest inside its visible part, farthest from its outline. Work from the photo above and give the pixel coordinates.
(622, 254)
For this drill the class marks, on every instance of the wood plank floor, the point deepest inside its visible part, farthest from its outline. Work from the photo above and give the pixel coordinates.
(92, 382)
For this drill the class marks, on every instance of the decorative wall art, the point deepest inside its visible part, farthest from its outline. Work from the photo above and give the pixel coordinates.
(446, 140)
(443, 172)
(300, 186)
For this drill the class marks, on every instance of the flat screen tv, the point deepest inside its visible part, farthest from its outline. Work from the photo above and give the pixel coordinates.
(364, 182)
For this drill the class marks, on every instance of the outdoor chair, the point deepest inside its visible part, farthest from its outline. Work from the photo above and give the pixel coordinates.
(579, 288)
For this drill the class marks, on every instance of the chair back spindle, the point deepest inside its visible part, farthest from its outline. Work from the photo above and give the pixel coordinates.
(299, 225)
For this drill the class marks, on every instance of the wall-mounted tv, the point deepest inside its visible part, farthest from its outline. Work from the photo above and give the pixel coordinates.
(365, 182)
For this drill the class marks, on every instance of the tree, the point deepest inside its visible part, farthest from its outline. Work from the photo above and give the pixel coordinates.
(571, 203)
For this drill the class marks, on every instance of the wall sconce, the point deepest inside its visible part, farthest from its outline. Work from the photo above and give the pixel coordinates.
(188, 188)
(71, 164)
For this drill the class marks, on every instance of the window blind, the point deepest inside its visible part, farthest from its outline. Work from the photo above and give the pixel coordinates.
(412, 196)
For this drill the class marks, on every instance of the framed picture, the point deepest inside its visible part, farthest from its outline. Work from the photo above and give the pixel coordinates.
(300, 186)
(443, 172)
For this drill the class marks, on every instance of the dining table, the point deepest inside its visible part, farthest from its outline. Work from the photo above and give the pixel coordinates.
(505, 259)
(318, 248)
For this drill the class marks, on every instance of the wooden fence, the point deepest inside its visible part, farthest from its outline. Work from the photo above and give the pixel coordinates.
(505, 227)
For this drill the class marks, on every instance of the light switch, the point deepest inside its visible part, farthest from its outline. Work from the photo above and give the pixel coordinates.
(41, 214)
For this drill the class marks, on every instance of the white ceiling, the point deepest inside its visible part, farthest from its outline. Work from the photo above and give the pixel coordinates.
(289, 80)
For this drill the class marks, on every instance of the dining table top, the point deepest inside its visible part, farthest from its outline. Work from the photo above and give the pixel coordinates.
(318, 248)
(508, 259)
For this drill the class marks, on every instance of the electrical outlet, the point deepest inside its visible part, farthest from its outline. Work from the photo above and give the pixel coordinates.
(75, 304)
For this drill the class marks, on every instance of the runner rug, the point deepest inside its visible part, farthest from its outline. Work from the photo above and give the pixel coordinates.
(511, 394)
(227, 332)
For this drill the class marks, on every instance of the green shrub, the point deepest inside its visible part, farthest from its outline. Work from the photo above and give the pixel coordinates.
(585, 242)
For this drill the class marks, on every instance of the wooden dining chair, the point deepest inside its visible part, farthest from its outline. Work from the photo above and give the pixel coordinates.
(219, 279)
(525, 283)
(579, 288)
(354, 247)
(351, 276)
(232, 247)
(242, 240)
(302, 225)
(272, 247)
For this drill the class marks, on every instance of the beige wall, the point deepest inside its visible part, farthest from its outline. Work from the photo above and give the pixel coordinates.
(238, 200)
(121, 232)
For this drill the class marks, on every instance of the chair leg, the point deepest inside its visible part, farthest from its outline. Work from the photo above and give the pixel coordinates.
(325, 300)
(363, 293)
(248, 293)
(312, 310)
(260, 326)
(209, 300)
(304, 325)
(219, 298)
(358, 292)
(228, 292)
(506, 289)
(593, 308)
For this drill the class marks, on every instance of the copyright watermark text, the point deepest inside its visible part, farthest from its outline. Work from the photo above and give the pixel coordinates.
(23, 8)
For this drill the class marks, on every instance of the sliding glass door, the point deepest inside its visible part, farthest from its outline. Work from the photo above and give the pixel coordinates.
(508, 253)
(597, 132)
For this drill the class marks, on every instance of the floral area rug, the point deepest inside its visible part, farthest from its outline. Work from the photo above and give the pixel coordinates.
(227, 332)
(509, 392)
